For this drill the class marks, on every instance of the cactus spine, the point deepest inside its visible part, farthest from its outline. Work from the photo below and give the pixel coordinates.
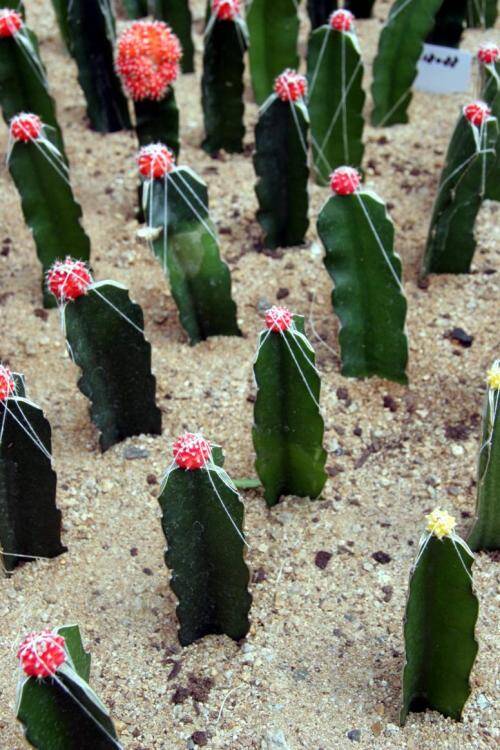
(273, 29)
(30, 523)
(462, 187)
(441, 614)
(368, 297)
(395, 66)
(280, 162)
(226, 39)
(202, 519)
(485, 533)
(288, 426)
(336, 97)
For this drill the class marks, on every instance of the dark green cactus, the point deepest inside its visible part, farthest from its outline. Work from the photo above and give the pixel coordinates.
(336, 98)
(23, 82)
(158, 121)
(395, 66)
(288, 426)
(441, 614)
(185, 243)
(222, 84)
(360, 8)
(55, 704)
(482, 13)
(202, 519)
(105, 337)
(485, 533)
(490, 93)
(368, 297)
(280, 161)
(49, 207)
(320, 11)
(449, 23)
(136, 8)
(30, 523)
(90, 26)
(273, 29)
(462, 187)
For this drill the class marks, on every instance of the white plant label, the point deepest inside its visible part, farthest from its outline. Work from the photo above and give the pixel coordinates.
(443, 70)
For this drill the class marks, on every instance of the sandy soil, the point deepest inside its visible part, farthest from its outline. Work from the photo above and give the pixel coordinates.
(325, 652)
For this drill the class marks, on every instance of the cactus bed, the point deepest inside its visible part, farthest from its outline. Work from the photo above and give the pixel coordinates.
(321, 667)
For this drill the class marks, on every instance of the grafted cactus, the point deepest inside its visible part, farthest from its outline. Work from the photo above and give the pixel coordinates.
(441, 615)
(183, 238)
(485, 533)
(226, 40)
(462, 188)
(147, 60)
(280, 162)
(336, 97)
(105, 337)
(41, 176)
(489, 62)
(368, 297)
(55, 704)
(88, 28)
(320, 11)
(202, 519)
(30, 523)
(395, 66)
(288, 426)
(23, 83)
(273, 29)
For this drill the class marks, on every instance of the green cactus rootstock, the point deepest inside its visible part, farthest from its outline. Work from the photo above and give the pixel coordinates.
(23, 82)
(176, 209)
(30, 523)
(281, 166)
(105, 337)
(90, 25)
(226, 41)
(441, 614)
(461, 191)
(288, 427)
(490, 93)
(358, 236)
(158, 121)
(485, 532)
(273, 30)
(320, 11)
(482, 13)
(202, 519)
(57, 707)
(49, 207)
(395, 66)
(449, 24)
(335, 101)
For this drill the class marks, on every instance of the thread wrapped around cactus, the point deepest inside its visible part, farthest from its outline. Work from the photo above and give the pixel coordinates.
(226, 40)
(288, 427)
(281, 163)
(183, 238)
(441, 614)
(489, 62)
(41, 176)
(147, 61)
(335, 95)
(461, 191)
(23, 82)
(273, 29)
(176, 14)
(88, 28)
(30, 523)
(358, 236)
(55, 704)
(105, 337)
(202, 519)
(395, 66)
(485, 532)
